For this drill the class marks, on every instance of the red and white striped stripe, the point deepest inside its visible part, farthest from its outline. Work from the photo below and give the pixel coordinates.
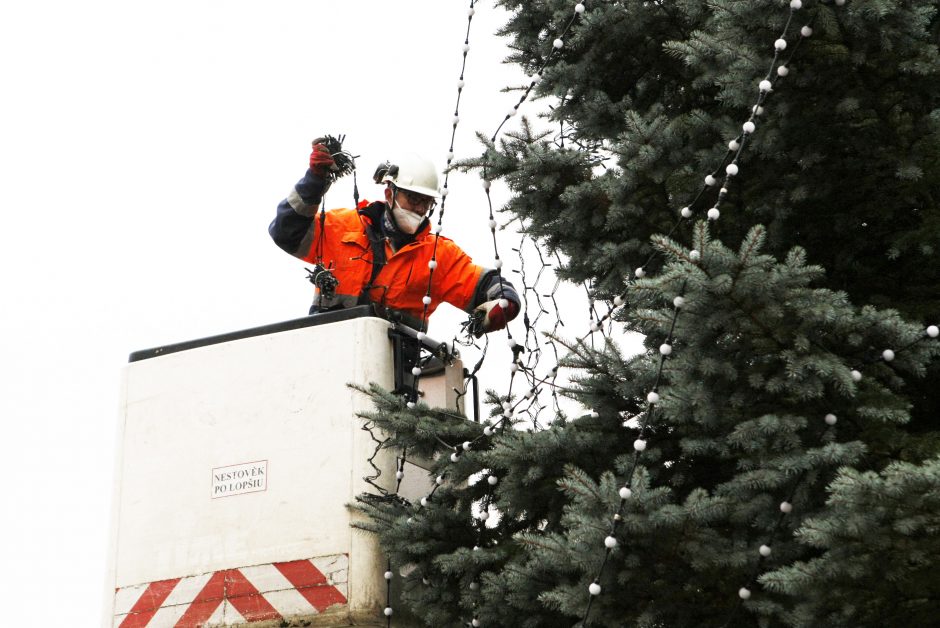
(298, 588)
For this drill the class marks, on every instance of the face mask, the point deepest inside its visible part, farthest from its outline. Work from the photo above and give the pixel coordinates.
(407, 221)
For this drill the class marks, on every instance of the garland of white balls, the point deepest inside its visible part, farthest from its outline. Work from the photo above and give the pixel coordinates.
(731, 169)
(426, 300)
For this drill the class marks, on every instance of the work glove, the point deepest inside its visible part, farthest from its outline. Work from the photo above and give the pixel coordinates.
(492, 316)
(321, 161)
(317, 180)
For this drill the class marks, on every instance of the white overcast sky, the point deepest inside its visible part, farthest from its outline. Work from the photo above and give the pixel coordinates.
(143, 148)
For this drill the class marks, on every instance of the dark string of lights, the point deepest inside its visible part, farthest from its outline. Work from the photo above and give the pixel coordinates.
(508, 407)
(426, 300)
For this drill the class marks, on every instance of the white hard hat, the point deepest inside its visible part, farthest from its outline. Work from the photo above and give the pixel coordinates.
(410, 172)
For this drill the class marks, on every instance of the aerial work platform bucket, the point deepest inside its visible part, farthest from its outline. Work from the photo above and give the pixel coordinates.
(237, 459)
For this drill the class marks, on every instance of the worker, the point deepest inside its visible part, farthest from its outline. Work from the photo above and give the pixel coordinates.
(382, 252)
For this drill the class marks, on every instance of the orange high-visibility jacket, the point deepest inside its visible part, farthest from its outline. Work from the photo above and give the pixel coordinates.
(343, 246)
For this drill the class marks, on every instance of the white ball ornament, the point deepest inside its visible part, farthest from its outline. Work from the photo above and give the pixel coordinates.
(831, 419)
(416, 371)
(492, 225)
(639, 272)
(432, 264)
(796, 5)
(488, 431)
(512, 112)
(504, 303)
(595, 326)
(460, 84)
(749, 127)
(686, 212)
(783, 70)
(410, 405)
(476, 623)
(498, 264)
(856, 376)
(484, 515)
(733, 145)
(694, 255)
(471, 11)
(710, 180)
(610, 542)
(618, 301)
(758, 110)
(933, 331)
(454, 457)
(474, 586)
(399, 475)
(653, 397)
(426, 300)
(764, 550)
(744, 593)
(579, 8)
(492, 480)
(455, 121)
(466, 445)
(440, 479)
(780, 44)
(713, 213)
(558, 43)
(678, 302)
(486, 184)
(840, 3)
(437, 229)
(665, 349)
(466, 47)
(424, 501)
(786, 507)
(887, 355)
(388, 611)
(511, 343)
(639, 444)
(765, 85)
(594, 589)
(625, 493)
(420, 335)
(731, 169)
(388, 575)
(445, 191)
(806, 31)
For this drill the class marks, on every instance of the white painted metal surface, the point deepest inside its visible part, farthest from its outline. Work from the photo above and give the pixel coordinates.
(244, 455)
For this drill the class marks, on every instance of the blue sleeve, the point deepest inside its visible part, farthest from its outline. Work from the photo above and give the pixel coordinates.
(293, 225)
(289, 229)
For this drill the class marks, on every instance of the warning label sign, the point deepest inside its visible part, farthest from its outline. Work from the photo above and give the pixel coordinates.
(248, 477)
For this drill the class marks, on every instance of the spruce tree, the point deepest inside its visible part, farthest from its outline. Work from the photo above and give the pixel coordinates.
(772, 458)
